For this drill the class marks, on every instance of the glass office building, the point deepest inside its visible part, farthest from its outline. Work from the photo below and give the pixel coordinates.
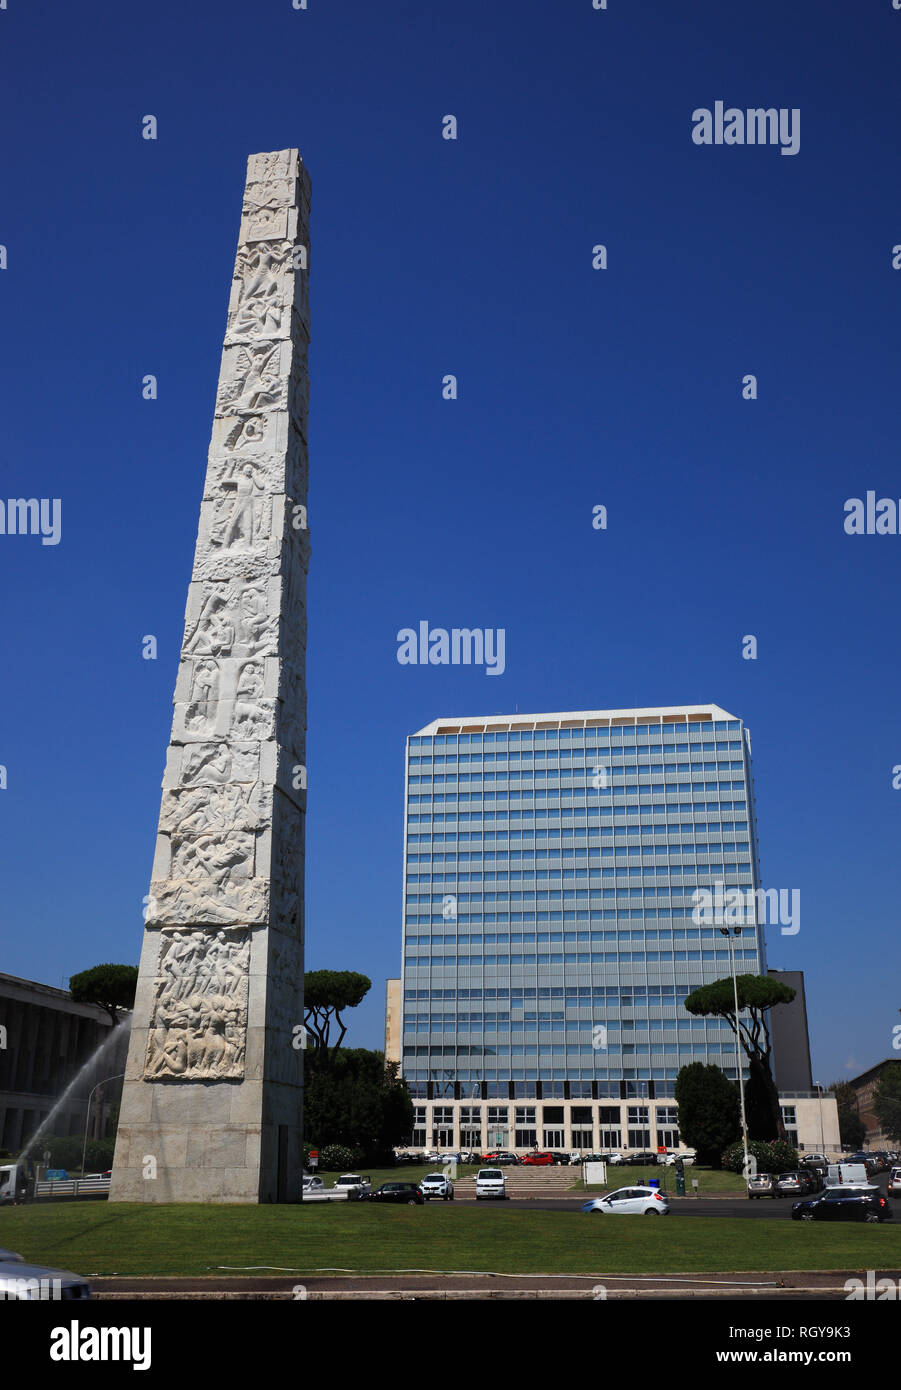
(548, 937)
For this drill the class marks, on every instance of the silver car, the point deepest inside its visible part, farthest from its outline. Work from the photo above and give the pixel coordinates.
(22, 1283)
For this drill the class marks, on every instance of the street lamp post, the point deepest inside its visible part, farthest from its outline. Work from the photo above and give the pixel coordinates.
(741, 1083)
(87, 1119)
(822, 1139)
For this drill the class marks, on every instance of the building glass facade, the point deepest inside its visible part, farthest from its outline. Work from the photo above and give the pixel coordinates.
(548, 938)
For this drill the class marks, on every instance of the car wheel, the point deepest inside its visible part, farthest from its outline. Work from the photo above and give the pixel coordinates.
(650, 1211)
(412, 1202)
(806, 1215)
(871, 1216)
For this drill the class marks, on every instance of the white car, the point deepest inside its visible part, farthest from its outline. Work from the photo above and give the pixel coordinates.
(353, 1182)
(669, 1159)
(614, 1158)
(22, 1283)
(490, 1182)
(437, 1185)
(311, 1184)
(630, 1201)
(894, 1183)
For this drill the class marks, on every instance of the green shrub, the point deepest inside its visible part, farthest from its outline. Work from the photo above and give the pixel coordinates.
(339, 1158)
(775, 1157)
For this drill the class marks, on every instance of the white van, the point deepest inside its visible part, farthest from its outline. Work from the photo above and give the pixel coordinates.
(847, 1174)
(490, 1182)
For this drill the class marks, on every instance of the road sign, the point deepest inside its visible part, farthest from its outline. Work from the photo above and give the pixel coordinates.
(314, 1158)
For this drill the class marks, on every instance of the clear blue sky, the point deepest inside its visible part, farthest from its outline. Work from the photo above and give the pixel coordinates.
(577, 387)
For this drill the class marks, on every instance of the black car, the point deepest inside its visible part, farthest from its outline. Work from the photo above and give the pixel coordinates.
(844, 1204)
(644, 1157)
(404, 1192)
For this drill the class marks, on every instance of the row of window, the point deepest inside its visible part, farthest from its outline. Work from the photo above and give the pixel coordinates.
(534, 813)
(630, 1083)
(492, 858)
(589, 776)
(577, 752)
(607, 996)
(572, 1050)
(580, 835)
(631, 934)
(448, 1022)
(529, 919)
(422, 878)
(550, 1114)
(580, 957)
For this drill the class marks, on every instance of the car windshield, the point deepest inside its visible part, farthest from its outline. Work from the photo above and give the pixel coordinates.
(490, 1173)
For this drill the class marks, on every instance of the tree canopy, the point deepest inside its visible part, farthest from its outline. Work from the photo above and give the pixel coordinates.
(756, 994)
(112, 987)
(355, 1099)
(326, 994)
(887, 1101)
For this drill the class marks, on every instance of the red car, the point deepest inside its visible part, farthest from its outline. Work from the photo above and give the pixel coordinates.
(539, 1160)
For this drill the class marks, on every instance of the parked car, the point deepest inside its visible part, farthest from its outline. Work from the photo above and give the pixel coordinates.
(613, 1157)
(437, 1185)
(872, 1163)
(630, 1201)
(844, 1204)
(814, 1175)
(539, 1160)
(353, 1182)
(642, 1157)
(490, 1182)
(501, 1156)
(791, 1185)
(672, 1156)
(311, 1184)
(24, 1283)
(405, 1193)
(762, 1185)
(894, 1183)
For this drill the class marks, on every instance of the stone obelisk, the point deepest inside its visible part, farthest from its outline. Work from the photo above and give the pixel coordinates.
(212, 1100)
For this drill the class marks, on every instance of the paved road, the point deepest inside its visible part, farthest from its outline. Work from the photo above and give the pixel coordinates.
(814, 1285)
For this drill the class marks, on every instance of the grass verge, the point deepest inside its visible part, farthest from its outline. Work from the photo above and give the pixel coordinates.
(199, 1240)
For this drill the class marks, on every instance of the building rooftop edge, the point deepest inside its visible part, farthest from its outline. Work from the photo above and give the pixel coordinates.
(514, 721)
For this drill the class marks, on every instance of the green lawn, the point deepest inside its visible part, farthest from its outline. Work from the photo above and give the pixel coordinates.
(709, 1179)
(97, 1239)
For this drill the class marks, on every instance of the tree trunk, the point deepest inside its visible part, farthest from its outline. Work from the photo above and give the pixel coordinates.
(762, 1102)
